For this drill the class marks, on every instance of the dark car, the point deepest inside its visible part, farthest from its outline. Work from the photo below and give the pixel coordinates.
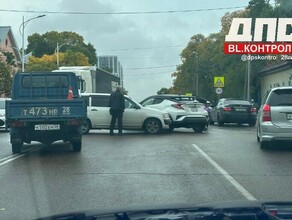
(229, 110)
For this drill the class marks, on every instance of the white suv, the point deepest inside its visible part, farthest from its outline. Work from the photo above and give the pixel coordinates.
(135, 117)
(185, 111)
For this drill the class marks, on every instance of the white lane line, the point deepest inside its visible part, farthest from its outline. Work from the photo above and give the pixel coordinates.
(236, 184)
(8, 159)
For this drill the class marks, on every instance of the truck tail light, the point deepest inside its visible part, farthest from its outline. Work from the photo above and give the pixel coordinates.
(253, 110)
(267, 113)
(17, 124)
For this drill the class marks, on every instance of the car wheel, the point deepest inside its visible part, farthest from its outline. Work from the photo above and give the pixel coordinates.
(16, 148)
(152, 126)
(76, 146)
(86, 126)
(219, 122)
(199, 128)
(264, 144)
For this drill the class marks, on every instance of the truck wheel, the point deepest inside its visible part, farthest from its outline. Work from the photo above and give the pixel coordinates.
(76, 146)
(252, 124)
(16, 148)
(86, 126)
(152, 126)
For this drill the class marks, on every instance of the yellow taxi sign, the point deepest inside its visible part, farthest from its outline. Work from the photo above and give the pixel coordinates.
(219, 81)
(189, 94)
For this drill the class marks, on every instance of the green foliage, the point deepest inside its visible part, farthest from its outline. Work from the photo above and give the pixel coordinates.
(46, 43)
(49, 62)
(10, 58)
(6, 72)
(204, 56)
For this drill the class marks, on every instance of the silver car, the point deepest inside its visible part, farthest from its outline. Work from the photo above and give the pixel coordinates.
(274, 120)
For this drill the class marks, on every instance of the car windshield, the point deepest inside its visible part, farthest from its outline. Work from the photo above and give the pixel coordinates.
(117, 105)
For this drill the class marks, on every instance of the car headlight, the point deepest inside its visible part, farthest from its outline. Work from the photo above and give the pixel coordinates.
(165, 115)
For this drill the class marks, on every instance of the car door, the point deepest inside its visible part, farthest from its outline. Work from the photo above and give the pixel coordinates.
(132, 117)
(99, 111)
(214, 111)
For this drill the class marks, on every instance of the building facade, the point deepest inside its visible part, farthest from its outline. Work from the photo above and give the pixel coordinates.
(110, 64)
(275, 76)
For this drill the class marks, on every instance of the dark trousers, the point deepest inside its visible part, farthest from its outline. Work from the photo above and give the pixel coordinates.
(116, 114)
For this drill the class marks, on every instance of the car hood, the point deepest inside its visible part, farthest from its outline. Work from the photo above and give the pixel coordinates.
(214, 210)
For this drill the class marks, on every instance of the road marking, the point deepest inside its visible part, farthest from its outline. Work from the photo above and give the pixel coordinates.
(236, 184)
(10, 158)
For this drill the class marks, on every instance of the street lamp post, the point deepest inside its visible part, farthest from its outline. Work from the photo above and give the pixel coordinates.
(21, 31)
(197, 72)
(58, 49)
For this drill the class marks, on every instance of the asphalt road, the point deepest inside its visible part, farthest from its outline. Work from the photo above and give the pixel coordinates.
(225, 163)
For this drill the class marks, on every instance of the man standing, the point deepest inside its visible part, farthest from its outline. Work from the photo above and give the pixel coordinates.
(117, 107)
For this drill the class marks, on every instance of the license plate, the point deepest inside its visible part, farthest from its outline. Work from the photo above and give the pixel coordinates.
(289, 116)
(40, 111)
(240, 109)
(194, 109)
(46, 127)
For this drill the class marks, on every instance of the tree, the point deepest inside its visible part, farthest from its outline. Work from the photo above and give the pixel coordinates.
(6, 72)
(49, 62)
(204, 57)
(46, 43)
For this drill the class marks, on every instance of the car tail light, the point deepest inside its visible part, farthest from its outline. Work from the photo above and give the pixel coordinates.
(178, 106)
(17, 124)
(227, 109)
(253, 110)
(267, 113)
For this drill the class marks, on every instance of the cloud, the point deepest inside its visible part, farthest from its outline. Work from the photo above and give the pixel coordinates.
(110, 34)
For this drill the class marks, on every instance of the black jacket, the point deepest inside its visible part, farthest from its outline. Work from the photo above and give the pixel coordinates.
(117, 101)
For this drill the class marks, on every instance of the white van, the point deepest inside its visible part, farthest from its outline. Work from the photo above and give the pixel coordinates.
(135, 117)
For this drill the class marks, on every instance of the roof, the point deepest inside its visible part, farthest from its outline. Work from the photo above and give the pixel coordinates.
(7, 31)
(4, 32)
(275, 68)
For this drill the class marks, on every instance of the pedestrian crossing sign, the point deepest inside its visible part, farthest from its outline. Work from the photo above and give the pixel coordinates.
(219, 81)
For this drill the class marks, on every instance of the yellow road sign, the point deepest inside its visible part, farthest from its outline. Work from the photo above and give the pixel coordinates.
(219, 81)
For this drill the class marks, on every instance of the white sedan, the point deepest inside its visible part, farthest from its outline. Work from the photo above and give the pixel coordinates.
(135, 117)
(2, 112)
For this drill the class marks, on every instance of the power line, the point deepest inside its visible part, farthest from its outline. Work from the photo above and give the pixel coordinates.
(148, 74)
(141, 48)
(147, 68)
(120, 13)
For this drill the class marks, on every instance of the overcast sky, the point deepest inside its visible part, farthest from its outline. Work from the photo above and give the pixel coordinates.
(148, 45)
